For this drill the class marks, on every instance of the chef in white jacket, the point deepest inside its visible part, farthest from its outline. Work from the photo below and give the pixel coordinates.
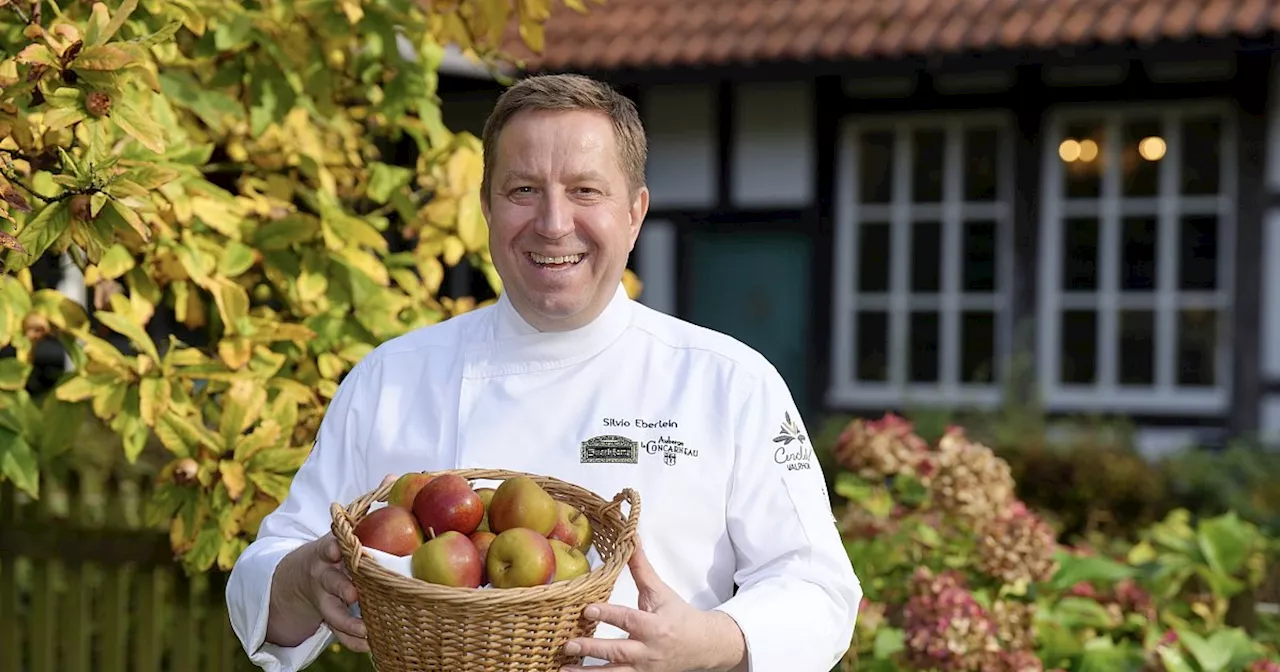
(566, 376)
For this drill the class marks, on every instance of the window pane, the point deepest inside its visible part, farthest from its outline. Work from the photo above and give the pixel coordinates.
(1140, 154)
(873, 346)
(873, 258)
(875, 169)
(1197, 347)
(926, 257)
(977, 346)
(1138, 254)
(924, 347)
(1079, 347)
(981, 164)
(1080, 254)
(979, 258)
(1081, 153)
(1201, 155)
(927, 149)
(1198, 252)
(1137, 347)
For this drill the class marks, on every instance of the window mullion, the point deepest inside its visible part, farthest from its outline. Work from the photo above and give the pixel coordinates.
(900, 280)
(1109, 259)
(952, 260)
(1167, 259)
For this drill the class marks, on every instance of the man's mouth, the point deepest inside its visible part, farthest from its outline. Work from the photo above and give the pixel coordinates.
(556, 262)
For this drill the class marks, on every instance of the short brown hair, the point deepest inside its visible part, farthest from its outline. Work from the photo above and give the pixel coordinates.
(565, 92)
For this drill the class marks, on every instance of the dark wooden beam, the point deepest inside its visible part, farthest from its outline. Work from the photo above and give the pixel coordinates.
(1028, 105)
(1251, 87)
(826, 129)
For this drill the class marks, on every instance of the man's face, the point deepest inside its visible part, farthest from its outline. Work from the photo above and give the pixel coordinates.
(562, 220)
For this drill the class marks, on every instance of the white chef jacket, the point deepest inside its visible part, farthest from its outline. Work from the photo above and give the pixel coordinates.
(700, 425)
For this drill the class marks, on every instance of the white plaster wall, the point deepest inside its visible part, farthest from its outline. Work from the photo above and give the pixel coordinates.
(680, 121)
(656, 264)
(773, 153)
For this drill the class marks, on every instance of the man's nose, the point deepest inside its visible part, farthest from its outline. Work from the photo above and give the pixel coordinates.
(556, 219)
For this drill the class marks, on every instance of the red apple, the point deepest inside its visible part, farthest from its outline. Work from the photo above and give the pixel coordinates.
(482, 539)
(521, 502)
(391, 529)
(406, 488)
(572, 527)
(520, 558)
(449, 559)
(448, 504)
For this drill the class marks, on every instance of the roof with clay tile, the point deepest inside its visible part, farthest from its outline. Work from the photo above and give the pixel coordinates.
(624, 34)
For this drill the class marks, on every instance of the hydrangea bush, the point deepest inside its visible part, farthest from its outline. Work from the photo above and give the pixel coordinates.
(960, 575)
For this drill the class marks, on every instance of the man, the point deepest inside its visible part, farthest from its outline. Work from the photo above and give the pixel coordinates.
(566, 376)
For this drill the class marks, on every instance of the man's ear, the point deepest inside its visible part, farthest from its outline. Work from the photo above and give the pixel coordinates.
(639, 209)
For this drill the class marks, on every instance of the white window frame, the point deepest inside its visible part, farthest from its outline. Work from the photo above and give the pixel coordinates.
(1165, 396)
(843, 387)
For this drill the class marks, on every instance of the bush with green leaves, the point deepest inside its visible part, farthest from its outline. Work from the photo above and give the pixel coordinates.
(271, 177)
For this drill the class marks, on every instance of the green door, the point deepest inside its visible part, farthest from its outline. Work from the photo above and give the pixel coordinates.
(754, 286)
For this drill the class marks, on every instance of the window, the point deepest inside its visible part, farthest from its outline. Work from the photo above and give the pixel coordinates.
(921, 261)
(1136, 247)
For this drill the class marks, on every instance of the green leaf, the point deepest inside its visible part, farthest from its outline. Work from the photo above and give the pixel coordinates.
(18, 462)
(61, 423)
(1073, 569)
(1211, 656)
(40, 234)
(888, 642)
(139, 124)
(279, 460)
(103, 57)
(237, 259)
(206, 547)
(125, 326)
(1226, 542)
(1174, 661)
(116, 262)
(13, 373)
(275, 485)
(852, 487)
(385, 179)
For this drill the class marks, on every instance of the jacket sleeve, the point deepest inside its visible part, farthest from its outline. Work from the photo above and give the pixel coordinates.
(334, 471)
(798, 595)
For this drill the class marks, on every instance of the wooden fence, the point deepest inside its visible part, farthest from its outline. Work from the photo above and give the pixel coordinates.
(84, 586)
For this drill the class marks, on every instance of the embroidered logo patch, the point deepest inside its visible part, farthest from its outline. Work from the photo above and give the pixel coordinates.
(610, 449)
(670, 449)
(796, 457)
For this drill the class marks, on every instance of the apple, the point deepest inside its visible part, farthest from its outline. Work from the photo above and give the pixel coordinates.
(572, 527)
(391, 529)
(520, 558)
(486, 496)
(406, 488)
(449, 559)
(448, 504)
(521, 502)
(570, 562)
(482, 539)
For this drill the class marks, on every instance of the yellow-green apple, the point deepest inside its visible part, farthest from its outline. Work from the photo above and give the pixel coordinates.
(572, 527)
(391, 529)
(406, 488)
(448, 504)
(449, 559)
(521, 502)
(520, 558)
(570, 562)
(486, 496)
(482, 539)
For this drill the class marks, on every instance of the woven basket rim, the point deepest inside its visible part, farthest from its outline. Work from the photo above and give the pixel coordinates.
(359, 562)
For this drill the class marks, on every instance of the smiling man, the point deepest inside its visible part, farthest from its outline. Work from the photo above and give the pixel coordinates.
(741, 566)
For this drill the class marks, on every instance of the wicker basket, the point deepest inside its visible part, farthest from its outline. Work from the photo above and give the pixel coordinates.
(414, 626)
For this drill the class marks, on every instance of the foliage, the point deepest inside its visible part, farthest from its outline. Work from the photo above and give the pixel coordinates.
(960, 574)
(272, 177)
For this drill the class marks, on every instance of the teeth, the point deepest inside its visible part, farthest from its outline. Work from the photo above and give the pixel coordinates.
(571, 259)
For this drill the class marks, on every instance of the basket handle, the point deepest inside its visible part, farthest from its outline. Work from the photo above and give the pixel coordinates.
(632, 519)
(346, 536)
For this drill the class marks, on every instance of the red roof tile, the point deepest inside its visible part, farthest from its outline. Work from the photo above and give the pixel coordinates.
(667, 33)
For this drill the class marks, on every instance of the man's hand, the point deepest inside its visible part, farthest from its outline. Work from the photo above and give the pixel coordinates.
(667, 634)
(312, 587)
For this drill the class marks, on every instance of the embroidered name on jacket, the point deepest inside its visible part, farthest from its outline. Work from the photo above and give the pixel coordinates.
(669, 448)
(610, 448)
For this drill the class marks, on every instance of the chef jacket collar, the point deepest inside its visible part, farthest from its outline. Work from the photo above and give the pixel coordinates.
(518, 347)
